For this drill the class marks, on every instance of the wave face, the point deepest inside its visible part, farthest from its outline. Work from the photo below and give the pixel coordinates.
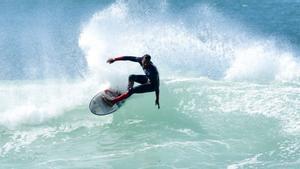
(229, 85)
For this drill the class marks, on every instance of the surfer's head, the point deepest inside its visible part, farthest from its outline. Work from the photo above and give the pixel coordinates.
(146, 60)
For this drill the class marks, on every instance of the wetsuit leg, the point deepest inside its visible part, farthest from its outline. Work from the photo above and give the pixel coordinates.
(143, 88)
(142, 79)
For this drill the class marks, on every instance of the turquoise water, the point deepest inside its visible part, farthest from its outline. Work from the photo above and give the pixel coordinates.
(229, 84)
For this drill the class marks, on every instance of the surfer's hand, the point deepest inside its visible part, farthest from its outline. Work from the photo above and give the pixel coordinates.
(157, 103)
(110, 60)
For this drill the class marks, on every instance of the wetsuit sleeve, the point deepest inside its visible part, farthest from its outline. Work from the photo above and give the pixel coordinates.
(157, 93)
(129, 58)
(157, 98)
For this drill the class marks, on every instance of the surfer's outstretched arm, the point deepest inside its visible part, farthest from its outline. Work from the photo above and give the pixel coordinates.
(124, 58)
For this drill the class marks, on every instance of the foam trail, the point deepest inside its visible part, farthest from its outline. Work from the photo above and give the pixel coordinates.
(34, 103)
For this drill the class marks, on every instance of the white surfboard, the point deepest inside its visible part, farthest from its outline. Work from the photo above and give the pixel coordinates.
(99, 107)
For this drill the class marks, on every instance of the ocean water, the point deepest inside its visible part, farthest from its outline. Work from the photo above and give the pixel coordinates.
(230, 84)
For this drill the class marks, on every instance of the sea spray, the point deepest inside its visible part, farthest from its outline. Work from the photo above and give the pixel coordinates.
(205, 45)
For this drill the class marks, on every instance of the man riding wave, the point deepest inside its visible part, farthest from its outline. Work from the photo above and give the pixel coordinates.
(148, 82)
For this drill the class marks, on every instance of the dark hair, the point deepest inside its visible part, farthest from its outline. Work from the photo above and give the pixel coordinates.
(147, 57)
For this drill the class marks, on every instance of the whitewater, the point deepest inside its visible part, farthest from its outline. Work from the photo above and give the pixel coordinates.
(230, 84)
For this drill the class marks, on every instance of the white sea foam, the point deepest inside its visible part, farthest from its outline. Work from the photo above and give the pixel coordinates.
(36, 102)
(215, 47)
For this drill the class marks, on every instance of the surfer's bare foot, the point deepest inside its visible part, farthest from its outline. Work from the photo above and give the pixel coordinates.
(107, 101)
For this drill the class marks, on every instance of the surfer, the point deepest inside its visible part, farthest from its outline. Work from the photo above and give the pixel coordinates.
(148, 82)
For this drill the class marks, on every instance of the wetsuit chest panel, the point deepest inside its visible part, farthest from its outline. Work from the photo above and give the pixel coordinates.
(151, 73)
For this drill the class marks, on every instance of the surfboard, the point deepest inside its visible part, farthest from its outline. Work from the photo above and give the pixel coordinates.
(99, 107)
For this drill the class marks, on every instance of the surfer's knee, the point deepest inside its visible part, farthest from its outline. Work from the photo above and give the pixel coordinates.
(131, 78)
(130, 91)
(130, 82)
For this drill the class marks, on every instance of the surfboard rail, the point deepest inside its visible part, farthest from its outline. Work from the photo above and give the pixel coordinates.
(99, 107)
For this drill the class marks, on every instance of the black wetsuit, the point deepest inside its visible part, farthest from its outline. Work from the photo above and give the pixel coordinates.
(149, 82)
